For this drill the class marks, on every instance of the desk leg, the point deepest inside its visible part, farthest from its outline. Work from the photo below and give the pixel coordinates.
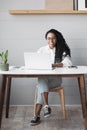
(8, 96)
(82, 90)
(2, 95)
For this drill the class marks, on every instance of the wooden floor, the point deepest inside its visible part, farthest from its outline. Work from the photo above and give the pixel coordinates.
(20, 116)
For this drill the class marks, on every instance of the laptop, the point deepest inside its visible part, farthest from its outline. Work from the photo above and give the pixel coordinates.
(40, 61)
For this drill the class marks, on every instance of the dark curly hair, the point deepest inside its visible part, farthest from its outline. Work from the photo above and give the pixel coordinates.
(61, 45)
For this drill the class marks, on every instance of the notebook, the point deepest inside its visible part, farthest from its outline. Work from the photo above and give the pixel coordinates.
(40, 61)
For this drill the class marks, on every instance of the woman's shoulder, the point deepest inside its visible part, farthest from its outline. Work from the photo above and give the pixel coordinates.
(43, 48)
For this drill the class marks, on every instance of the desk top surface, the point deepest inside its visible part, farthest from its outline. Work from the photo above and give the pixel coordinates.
(57, 71)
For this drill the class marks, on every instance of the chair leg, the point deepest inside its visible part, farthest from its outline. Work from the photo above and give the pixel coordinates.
(35, 98)
(62, 98)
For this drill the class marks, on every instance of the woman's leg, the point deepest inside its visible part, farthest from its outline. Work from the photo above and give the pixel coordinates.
(38, 109)
(44, 84)
(42, 96)
(36, 118)
(45, 98)
(43, 90)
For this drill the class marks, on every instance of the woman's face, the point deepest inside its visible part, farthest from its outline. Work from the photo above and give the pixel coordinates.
(51, 40)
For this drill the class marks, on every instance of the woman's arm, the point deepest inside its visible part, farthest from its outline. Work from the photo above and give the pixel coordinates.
(65, 62)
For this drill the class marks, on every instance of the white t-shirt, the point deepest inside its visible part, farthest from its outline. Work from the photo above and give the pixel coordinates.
(45, 49)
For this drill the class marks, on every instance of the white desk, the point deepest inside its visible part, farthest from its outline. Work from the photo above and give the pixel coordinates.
(78, 72)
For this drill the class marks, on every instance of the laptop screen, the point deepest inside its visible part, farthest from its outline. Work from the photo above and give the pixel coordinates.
(34, 60)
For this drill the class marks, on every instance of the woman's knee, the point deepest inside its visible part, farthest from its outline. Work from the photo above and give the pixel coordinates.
(43, 85)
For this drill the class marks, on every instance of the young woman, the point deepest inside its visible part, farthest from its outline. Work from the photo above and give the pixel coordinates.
(60, 56)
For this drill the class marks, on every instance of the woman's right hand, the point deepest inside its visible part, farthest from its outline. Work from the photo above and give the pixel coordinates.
(57, 65)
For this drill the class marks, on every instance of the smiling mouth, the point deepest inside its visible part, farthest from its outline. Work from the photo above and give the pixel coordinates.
(52, 44)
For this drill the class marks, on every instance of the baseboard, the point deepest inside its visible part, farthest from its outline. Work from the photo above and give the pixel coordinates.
(67, 105)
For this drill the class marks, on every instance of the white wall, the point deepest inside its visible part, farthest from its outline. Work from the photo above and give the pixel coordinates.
(20, 33)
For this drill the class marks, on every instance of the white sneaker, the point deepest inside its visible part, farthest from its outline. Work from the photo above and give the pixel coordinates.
(47, 111)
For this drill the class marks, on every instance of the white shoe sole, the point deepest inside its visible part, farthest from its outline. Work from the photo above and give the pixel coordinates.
(47, 116)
